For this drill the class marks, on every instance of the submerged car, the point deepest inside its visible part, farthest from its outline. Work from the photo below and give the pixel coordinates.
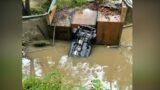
(82, 40)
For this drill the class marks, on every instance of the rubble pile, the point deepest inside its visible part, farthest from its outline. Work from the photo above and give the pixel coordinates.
(110, 13)
(110, 10)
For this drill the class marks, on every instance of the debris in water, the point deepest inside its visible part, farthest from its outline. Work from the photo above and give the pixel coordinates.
(85, 73)
(63, 17)
(25, 67)
(111, 10)
(37, 68)
(50, 61)
(115, 85)
(63, 61)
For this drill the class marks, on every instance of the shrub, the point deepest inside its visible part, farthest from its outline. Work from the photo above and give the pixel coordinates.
(97, 85)
(80, 2)
(52, 81)
(41, 8)
(61, 4)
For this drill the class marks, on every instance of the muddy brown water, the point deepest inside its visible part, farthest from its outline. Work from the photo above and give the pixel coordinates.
(118, 60)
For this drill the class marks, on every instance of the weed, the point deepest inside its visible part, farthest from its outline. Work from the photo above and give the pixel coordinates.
(97, 84)
(37, 10)
(41, 8)
(53, 81)
(61, 4)
(80, 2)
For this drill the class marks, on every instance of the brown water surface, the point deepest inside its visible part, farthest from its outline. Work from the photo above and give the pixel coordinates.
(118, 61)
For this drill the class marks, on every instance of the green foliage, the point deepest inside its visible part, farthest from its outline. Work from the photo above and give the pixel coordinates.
(61, 4)
(37, 10)
(97, 84)
(56, 81)
(81, 2)
(52, 81)
(41, 8)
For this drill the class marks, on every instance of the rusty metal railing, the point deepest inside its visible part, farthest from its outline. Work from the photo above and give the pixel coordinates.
(39, 15)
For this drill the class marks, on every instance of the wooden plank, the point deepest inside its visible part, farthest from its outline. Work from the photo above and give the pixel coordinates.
(109, 33)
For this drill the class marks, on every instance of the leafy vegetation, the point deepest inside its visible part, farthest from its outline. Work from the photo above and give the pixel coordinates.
(53, 81)
(37, 10)
(61, 4)
(97, 85)
(80, 2)
(56, 81)
(41, 8)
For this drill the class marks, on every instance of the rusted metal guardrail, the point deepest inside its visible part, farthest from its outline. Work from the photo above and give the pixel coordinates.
(39, 15)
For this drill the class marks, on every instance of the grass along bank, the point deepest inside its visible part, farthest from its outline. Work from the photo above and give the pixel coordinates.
(56, 81)
(61, 4)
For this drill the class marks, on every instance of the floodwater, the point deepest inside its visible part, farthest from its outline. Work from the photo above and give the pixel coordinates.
(111, 65)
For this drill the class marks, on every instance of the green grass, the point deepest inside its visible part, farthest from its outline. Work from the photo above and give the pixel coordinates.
(52, 81)
(80, 2)
(97, 85)
(38, 10)
(41, 8)
(61, 4)
(56, 81)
